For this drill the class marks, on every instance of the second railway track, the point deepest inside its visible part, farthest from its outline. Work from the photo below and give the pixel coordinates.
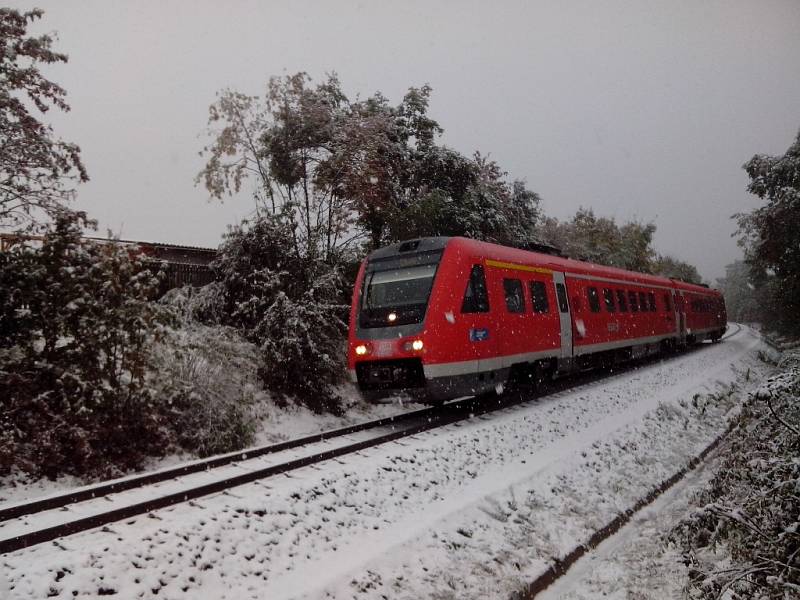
(25, 524)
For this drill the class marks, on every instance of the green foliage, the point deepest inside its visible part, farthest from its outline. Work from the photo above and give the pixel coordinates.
(76, 325)
(37, 171)
(669, 266)
(285, 143)
(343, 172)
(601, 240)
(769, 236)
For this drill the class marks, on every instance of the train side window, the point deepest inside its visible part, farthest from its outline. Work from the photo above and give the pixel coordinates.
(515, 298)
(476, 298)
(642, 301)
(651, 297)
(539, 297)
(667, 302)
(563, 305)
(633, 302)
(608, 296)
(623, 303)
(594, 299)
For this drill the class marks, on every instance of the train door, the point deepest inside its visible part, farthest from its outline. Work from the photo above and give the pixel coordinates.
(563, 313)
(477, 318)
(680, 306)
(672, 314)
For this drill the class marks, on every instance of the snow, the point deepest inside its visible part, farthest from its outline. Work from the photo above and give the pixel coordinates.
(276, 424)
(638, 558)
(295, 420)
(471, 510)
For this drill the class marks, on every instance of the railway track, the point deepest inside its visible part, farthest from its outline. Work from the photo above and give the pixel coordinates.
(560, 567)
(25, 524)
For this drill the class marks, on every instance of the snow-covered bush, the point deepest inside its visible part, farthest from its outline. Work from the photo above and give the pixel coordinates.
(76, 325)
(289, 306)
(744, 543)
(194, 305)
(208, 375)
(95, 376)
(302, 346)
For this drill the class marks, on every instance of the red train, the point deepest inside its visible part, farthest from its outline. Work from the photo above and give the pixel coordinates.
(447, 317)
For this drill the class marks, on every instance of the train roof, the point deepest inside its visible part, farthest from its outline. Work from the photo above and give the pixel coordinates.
(557, 263)
(569, 265)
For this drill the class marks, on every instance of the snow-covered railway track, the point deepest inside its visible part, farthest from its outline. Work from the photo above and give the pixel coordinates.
(559, 569)
(29, 523)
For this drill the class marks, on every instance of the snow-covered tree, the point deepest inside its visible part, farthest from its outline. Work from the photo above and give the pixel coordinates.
(290, 306)
(743, 540)
(76, 326)
(601, 240)
(769, 234)
(742, 300)
(38, 172)
(95, 376)
(482, 206)
(282, 143)
(344, 172)
(669, 266)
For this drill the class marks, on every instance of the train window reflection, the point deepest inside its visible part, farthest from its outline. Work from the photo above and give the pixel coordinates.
(399, 287)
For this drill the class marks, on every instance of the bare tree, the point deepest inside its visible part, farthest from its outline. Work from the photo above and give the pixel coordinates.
(38, 172)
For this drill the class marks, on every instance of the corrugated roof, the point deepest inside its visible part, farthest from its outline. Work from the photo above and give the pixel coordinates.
(154, 244)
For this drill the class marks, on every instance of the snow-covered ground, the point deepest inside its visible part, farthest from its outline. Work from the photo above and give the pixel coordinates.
(472, 510)
(636, 563)
(276, 424)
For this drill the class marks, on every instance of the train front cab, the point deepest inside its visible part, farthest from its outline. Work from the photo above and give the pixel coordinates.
(439, 320)
(387, 317)
(422, 324)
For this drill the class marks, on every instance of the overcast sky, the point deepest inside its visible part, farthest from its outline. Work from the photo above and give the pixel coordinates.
(640, 110)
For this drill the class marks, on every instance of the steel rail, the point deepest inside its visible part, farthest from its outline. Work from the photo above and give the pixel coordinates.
(429, 418)
(561, 565)
(127, 483)
(132, 482)
(452, 413)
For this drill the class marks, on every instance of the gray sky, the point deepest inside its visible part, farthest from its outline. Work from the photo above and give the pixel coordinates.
(640, 110)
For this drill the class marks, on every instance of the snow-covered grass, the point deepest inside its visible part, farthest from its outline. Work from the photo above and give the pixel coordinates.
(471, 510)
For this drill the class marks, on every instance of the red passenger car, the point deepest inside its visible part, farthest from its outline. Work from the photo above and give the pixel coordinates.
(448, 317)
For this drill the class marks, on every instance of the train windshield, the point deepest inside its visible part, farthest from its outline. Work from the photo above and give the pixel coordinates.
(396, 296)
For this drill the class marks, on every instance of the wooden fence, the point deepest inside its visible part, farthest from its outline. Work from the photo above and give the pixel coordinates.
(175, 275)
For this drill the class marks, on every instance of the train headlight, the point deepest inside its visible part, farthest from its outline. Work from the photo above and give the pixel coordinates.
(361, 350)
(392, 317)
(416, 345)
